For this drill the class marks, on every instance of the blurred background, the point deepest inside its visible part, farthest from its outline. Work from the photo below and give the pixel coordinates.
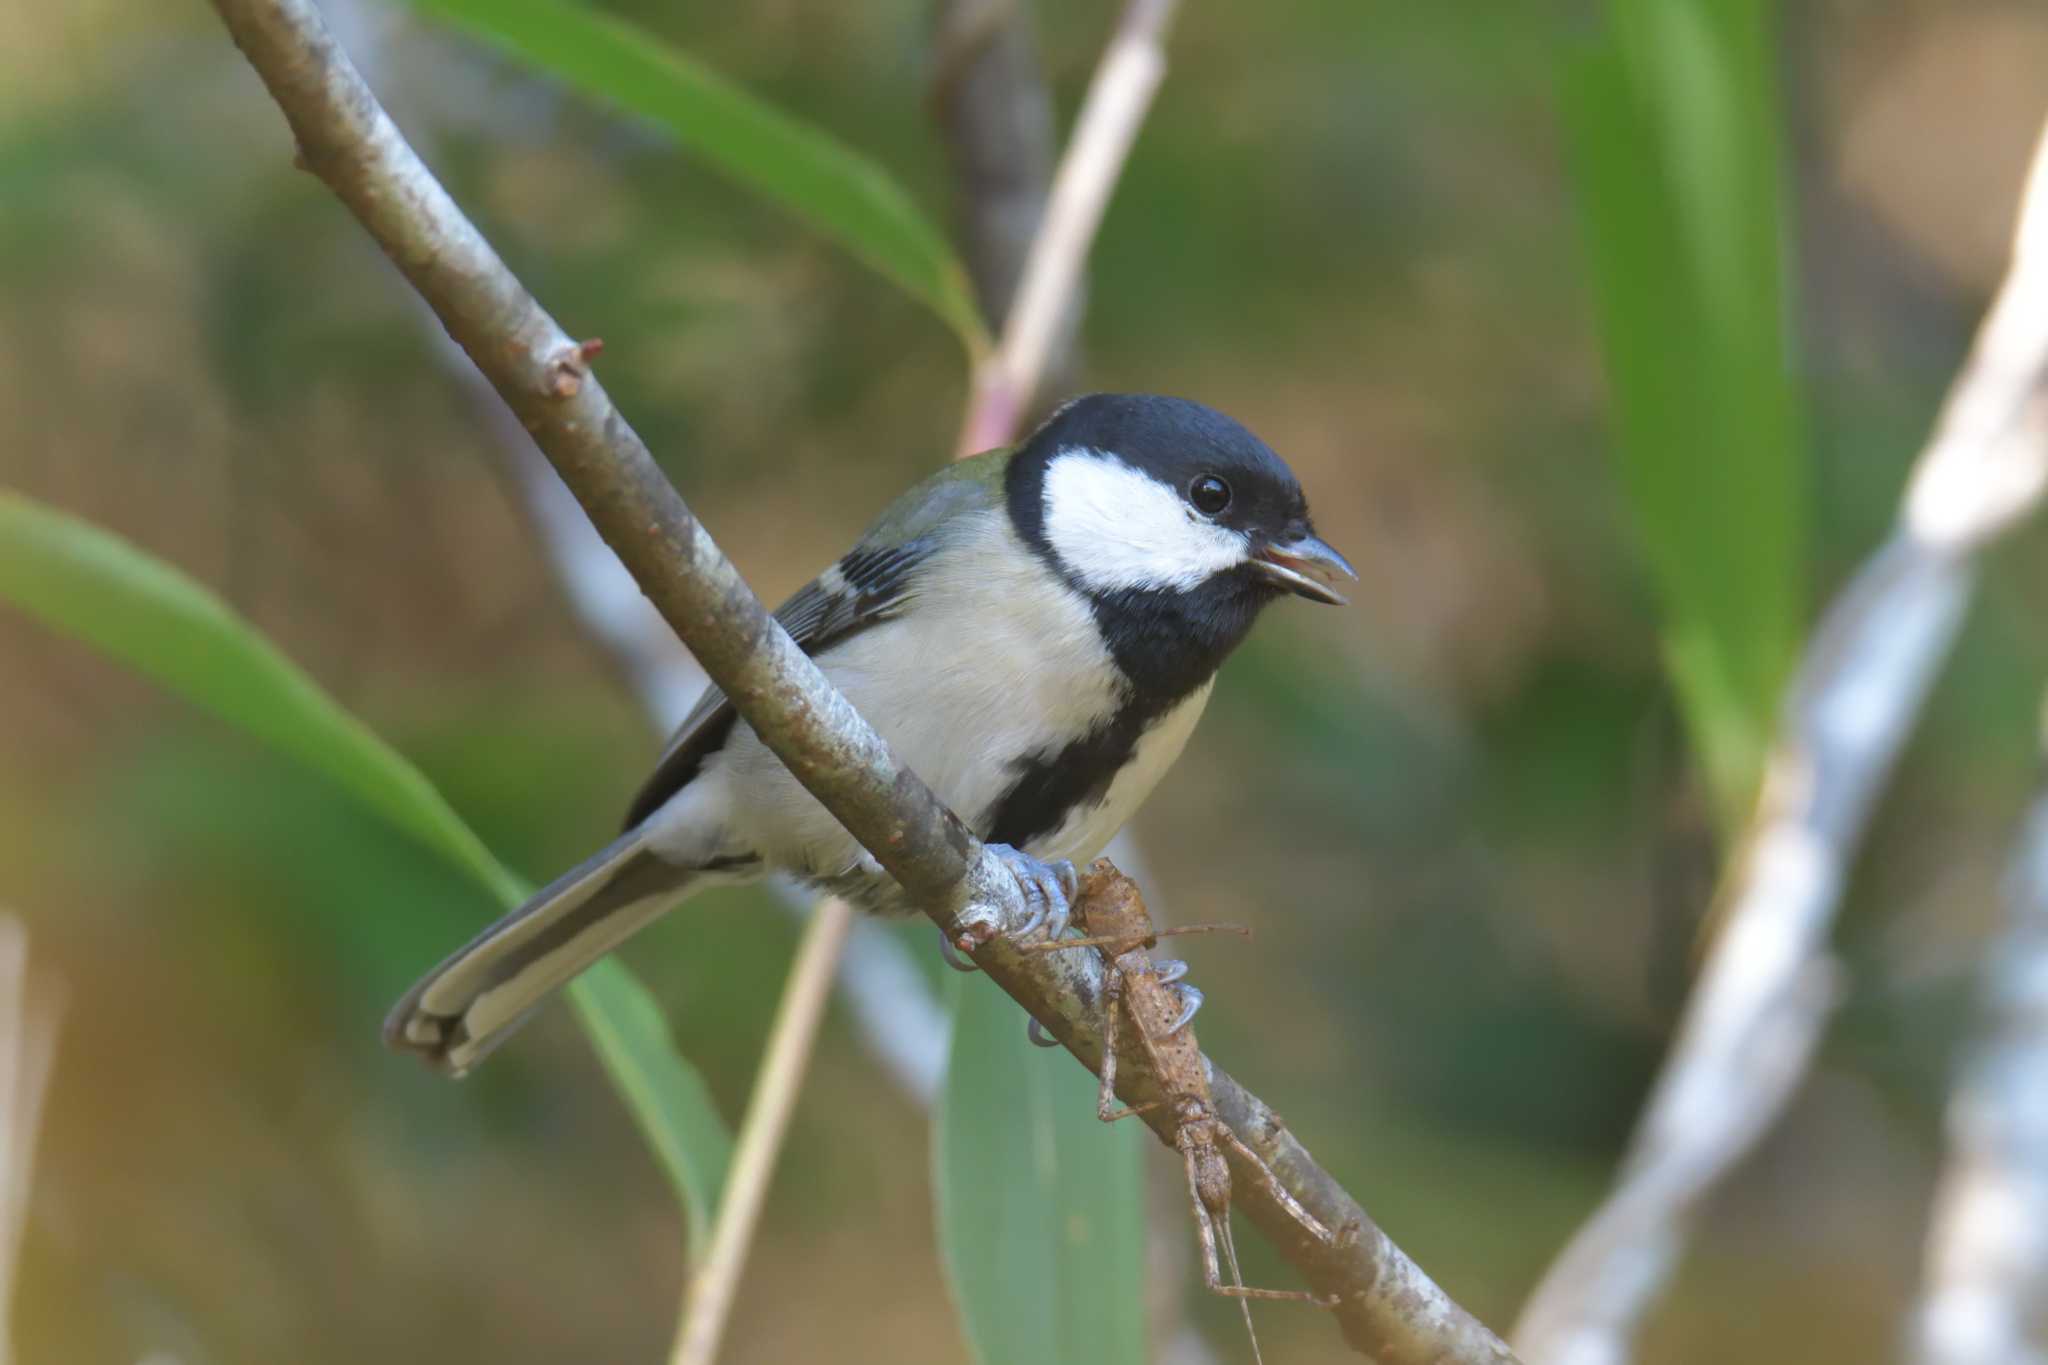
(1463, 817)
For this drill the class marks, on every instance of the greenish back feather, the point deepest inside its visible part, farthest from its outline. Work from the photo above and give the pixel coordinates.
(964, 486)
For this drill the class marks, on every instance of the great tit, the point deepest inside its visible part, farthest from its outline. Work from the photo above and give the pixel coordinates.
(1034, 631)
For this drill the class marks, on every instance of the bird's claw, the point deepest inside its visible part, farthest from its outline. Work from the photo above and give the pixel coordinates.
(952, 956)
(1035, 1031)
(1049, 890)
(1169, 970)
(1190, 1001)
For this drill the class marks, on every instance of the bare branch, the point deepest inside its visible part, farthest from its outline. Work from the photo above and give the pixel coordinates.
(1986, 1299)
(1390, 1308)
(1132, 66)
(1767, 988)
(29, 1010)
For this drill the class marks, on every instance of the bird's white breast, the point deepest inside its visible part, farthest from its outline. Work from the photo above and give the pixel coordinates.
(1005, 662)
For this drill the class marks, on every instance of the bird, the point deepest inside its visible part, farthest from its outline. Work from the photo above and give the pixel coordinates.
(1034, 631)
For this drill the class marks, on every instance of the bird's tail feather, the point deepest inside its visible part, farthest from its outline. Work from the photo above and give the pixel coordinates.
(463, 1009)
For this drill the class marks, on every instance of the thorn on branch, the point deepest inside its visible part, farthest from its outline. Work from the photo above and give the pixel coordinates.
(567, 367)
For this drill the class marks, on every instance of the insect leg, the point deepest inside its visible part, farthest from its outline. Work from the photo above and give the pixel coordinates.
(1112, 1010)
(1270, 1183)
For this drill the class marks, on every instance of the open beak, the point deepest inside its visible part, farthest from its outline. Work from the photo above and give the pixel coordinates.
(1305, 567)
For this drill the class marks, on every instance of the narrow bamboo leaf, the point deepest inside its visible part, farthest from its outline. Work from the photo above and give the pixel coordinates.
(1673, 138)
(86, 583)
(834, 189)
(101, 590)
(1041, 1215)
(666, 1094)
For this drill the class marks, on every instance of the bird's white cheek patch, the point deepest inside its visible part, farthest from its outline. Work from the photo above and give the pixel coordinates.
(1116, 527)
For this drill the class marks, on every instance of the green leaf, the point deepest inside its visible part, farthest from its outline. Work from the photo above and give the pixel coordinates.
(1674, 144)
(666, 1094)
(833, 188)
(1040, 1207)
(96, 587)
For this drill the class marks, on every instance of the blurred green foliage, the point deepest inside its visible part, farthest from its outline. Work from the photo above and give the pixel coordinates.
(831, 188)
(85, 583)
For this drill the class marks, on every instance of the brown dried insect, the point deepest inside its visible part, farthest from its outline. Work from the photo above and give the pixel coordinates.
(1118, 925)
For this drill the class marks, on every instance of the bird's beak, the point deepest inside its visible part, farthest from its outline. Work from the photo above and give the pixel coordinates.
(1305, 567)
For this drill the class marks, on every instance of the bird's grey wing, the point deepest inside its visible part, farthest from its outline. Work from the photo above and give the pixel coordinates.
(868, 585)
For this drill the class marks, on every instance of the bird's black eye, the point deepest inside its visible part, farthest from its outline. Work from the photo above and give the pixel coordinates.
(1209, 494)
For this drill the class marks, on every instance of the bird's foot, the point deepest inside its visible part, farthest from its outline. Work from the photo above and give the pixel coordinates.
(1190, 1001)
(1049, 890)
(1010, 894)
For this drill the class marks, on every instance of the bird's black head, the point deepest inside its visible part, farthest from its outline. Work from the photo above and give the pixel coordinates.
(1174, 521)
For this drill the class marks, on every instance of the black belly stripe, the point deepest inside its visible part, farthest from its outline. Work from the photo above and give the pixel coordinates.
(1051, 786)
(1166, 646)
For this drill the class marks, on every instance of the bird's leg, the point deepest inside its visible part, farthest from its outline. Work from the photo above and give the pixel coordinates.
(1049, 890)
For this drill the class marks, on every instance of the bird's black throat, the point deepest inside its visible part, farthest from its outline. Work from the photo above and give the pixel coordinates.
(1167, 641)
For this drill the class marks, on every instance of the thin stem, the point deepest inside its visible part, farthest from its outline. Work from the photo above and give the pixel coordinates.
(708, 1305)
(1132, 66)
(29, 1011)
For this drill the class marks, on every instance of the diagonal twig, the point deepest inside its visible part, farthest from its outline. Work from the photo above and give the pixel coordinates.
(1388, 1307)
(1768, 986)
(1006, 381)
